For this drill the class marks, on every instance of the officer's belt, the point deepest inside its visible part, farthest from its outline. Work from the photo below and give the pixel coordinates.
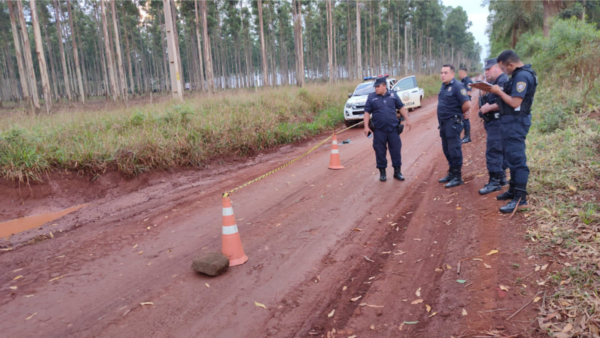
(452, 119)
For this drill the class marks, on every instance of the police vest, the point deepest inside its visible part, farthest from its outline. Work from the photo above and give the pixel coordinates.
(527, 100)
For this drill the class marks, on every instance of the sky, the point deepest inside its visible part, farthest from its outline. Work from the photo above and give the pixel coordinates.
(478, 17)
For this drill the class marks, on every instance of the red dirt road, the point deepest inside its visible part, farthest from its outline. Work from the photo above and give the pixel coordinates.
(308, 232)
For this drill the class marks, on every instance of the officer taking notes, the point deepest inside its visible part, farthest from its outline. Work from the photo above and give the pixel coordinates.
(382, 105)
(453, 108)
(515, 103)
(466, 82)
(490, 113)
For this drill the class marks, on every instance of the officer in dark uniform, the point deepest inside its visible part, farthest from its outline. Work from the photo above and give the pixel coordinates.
(453, 108)
(382, 105)
(490, 113)
(466, 82)
(515, 103)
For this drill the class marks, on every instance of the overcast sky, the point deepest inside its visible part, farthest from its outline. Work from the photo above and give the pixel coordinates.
(478, 17)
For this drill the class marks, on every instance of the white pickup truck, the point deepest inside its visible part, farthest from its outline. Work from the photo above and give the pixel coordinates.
(354, 109)
(408, 91)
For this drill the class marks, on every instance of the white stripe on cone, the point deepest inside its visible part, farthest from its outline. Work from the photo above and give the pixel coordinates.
(335, 151)
(334, 142)
(227, 211)
(230, 230)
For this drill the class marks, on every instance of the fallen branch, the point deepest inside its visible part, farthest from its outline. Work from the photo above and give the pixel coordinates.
(522, 307)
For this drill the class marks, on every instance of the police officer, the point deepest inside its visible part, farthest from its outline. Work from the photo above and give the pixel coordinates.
(453, 108)
(383, 105)
(515, 102)
(466, 82)
(490, 113)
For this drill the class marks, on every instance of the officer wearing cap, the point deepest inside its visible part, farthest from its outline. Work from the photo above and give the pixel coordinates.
(466, 82)
(380, 109)
(489, 111)
(515, 101)
(453, 108)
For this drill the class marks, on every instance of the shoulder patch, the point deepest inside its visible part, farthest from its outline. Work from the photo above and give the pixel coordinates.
(450, 88)
(521, 86)
(463, 91)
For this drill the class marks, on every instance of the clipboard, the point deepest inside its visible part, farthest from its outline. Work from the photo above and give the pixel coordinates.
(482, 85)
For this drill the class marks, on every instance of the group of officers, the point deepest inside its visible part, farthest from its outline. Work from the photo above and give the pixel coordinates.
(505, 111)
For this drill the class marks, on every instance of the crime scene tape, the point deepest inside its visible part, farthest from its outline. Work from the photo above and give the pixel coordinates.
(227, 193)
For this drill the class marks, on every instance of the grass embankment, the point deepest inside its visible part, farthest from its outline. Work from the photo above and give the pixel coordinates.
(166, 135)
(564, 157)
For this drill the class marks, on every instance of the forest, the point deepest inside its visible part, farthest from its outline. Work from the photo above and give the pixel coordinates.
(68, 51)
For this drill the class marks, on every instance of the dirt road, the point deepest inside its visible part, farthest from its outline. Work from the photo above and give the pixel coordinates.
(316, 239)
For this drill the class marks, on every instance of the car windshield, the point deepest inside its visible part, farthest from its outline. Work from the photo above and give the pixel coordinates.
(364, 89)
(405, 84)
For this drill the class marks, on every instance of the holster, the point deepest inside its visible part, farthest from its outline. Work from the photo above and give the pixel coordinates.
(400, 128)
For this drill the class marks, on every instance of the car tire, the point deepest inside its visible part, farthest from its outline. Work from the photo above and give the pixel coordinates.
(348, 123)
(420, 102)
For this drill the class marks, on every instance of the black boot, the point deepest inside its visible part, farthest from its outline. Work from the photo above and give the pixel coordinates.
(382, 176)
(398, 174)
(466, 139)
(492, 185)
(519, 200)
(447, 178)
(456, 179)
(503, 181)
(508, 194)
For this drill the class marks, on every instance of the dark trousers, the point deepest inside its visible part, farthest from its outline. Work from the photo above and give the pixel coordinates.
(467, 124)
(381, 140)
(494, 151)
(514, 129)
(450, 133)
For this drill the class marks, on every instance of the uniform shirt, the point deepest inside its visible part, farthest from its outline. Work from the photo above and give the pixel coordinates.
(466, 82)
(383, 109)
(500, 81)
(450, 100)
(523, 86)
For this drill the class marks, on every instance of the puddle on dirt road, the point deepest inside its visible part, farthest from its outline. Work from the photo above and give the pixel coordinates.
(22, 224)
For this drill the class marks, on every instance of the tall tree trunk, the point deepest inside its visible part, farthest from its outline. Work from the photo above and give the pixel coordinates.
(200, 63)
(52, 67)
(76, 55)
(405, 48)
(298, 44)
(35, 101)
(176, 88)
(19, 55)
(551, 8)
(164, 49)
(129, 66)
(107, 49)
(207, 50)
(358, 43)
(176, 39)
(329, 40)
(39, 48)
(262, 45)
(121, 69)
(62, 50)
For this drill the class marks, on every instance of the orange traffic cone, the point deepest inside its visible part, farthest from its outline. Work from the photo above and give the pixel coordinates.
(334, 162)
(231, 241)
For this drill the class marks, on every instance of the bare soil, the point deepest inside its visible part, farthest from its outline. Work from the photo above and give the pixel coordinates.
(316, 239)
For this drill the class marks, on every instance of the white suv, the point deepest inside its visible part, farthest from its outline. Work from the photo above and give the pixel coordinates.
(355, 106)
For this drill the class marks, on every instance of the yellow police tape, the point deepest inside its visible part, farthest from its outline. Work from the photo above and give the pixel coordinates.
(227, 193)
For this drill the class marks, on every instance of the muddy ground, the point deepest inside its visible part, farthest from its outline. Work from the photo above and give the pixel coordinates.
(316, 239)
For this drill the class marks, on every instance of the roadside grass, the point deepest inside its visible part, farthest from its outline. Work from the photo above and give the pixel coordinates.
(563, 149)
(170, 134)
(430, 83)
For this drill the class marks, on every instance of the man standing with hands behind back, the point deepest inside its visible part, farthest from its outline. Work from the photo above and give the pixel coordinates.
(453, 108)
(383, 106)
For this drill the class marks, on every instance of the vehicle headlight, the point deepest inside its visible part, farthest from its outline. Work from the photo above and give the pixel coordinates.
(348, 105)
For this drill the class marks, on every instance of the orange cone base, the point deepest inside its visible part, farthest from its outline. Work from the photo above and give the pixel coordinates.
(238, 261)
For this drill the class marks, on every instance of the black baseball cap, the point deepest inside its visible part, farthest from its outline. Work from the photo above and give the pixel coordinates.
(490, 62)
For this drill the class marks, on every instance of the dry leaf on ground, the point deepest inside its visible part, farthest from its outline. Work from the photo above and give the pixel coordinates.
(464, 312)
(331, 313)
(260, 305)
(492, 252)
(418, 301)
